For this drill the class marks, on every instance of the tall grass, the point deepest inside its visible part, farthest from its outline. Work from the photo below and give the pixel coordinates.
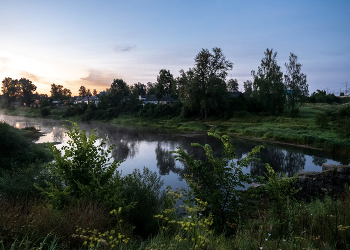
(319, 224)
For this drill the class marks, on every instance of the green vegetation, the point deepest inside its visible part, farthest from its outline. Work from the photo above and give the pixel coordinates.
(88, 208)
(218, 187)
(275, 106)
(318, 125)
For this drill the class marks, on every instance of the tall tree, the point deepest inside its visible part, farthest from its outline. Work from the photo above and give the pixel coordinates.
(206, 88)
(94, 92)
(151, 88)
(10, 89)
(248, 88)
(118, 92)
(268, 87)
(59, 93)
(82, 91)
(66, 93)
(295, 82)
(139, 89)
(232, 85)
(27, 90)
(165, 84)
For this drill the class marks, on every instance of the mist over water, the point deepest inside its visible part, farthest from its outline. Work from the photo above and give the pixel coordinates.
(140, 147)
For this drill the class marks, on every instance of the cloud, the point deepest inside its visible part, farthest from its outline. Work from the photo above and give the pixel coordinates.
(124, 48)
(98, 79)
(4, 61)
(32, 77)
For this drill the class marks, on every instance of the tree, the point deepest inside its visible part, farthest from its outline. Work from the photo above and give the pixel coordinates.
(268, 87)
(10, 89)
(248, 89)
(94, 92)
(151, 88)
(232, 85)
(295, 82)
(82, 91)
(27, 89)
(59, 93)
(165, 84)
(66, 93)
(117, 93)
(206, 88)
(138, 89)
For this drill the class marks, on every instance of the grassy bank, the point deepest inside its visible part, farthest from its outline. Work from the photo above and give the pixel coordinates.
(89, 205)
(282, 128)
(321, 224)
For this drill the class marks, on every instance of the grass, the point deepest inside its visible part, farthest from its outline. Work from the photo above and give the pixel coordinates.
(320, 224)
(280, 128)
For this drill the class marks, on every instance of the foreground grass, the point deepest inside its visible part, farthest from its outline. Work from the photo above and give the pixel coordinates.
(281, 128)
(320, 224)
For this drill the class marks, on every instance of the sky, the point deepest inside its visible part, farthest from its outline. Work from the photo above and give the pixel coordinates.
(89, 43)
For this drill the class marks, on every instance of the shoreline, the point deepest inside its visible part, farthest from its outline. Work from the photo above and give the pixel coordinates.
(264, 131)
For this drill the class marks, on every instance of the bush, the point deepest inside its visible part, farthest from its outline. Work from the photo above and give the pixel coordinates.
(143, 189)
(45, 111)
(17, 150)
(85, 167)
(216, 180)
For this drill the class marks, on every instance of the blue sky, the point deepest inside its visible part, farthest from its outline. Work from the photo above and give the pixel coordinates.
(90, 43)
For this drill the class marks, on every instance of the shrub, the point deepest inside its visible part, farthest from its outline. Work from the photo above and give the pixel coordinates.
(143, 189)
(86, 168)
(216, 180)
(17, 150)
(44, 111)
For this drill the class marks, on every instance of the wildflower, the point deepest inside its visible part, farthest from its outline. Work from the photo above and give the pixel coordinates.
(269, 234)
(260, 247)
(189, 217)
(265, 239)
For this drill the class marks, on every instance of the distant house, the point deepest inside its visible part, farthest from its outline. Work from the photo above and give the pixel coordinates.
(168, 99)
(89, 99)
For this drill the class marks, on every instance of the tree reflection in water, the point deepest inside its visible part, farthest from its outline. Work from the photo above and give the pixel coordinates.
(156, 147)
(280, 160)
(318, 161)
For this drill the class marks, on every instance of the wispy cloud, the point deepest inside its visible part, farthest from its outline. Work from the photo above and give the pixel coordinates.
(98, 79)
(124, 48)
(30, 76)
(4, 61)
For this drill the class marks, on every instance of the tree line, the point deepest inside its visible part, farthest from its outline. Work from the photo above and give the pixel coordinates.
(203, 90)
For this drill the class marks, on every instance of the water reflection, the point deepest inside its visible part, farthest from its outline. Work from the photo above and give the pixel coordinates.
(151, 148)
(280, 160)
(58, 134)
(318, 161)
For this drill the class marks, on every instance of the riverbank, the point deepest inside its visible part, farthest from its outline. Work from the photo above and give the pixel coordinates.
(301, 131)
(271, 220)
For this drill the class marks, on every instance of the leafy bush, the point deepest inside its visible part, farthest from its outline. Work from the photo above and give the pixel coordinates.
(216, 180)
(144, 190)
(281, 193)
(88, 173)
(85, 167)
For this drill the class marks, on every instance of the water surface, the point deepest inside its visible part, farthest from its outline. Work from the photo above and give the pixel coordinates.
(139, 147)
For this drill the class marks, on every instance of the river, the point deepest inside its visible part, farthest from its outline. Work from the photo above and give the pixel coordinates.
(145, 147)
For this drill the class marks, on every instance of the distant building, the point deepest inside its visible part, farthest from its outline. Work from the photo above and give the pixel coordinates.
(167, 99)
(89, 99)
